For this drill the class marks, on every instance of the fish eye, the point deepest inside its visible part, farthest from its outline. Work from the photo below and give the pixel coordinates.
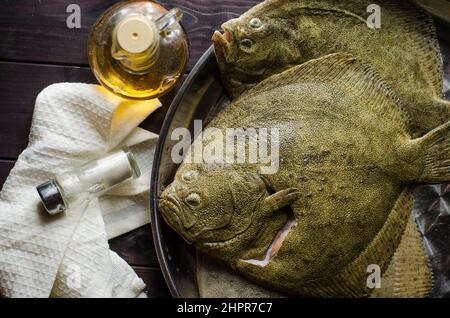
(189, 176)
(193, 199)
(255, 23)
(246, 43)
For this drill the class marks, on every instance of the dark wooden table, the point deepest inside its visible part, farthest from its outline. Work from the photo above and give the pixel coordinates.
(38, 49)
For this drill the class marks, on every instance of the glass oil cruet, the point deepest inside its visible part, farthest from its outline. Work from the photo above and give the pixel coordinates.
(138, 49)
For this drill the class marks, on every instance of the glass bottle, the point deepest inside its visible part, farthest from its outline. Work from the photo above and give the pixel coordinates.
(138, 49)
(89, 181)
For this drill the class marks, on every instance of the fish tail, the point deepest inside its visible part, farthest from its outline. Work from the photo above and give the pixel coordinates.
(436, 145)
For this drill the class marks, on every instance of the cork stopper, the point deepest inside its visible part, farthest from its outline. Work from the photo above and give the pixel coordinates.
(136, 34)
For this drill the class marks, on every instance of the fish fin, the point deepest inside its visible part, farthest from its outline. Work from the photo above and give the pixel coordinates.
(348, 73)
(436, 145)
(352, 280)
(409, 274)
(381, 250)
(420, 28)
(415, 21)
(280, 199)
(414, 18)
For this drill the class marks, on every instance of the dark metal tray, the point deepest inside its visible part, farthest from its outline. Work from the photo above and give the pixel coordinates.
(201, 93)
(202, 96)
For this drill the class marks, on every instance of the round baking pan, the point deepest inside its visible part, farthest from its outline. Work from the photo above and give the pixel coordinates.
(201, 97)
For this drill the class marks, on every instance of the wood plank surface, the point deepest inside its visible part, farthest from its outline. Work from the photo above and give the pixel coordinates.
(24, 81)
(36, 30)
(21, 84)
(38, 49)
(5, 167)
(136, 247)
(153, 278)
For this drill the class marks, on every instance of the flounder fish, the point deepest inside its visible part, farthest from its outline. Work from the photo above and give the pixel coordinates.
(278, 34)
(341, 198)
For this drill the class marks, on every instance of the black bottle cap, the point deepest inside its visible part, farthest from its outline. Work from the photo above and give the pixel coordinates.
(51, 197)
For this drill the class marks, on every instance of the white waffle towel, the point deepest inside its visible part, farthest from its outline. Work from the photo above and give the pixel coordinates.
(67, 255)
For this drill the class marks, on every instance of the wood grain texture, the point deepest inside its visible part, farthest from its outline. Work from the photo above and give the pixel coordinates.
(5, 168)
(37, 49)
(136, 247)
(22, 82)
(36, 30)
(201, 18)
(153, 278)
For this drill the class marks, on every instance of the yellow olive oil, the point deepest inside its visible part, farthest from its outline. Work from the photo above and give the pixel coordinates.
(138, 49)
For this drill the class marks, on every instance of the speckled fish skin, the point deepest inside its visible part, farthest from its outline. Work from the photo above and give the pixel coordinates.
(278, 34)
(346, 160)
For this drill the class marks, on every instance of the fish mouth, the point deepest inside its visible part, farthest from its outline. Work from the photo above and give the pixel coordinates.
(275, 245)
(171, 203)
(223, 44)
(172, 214)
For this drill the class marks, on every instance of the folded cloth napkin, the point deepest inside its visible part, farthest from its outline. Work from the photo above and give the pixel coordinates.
(67, 255)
